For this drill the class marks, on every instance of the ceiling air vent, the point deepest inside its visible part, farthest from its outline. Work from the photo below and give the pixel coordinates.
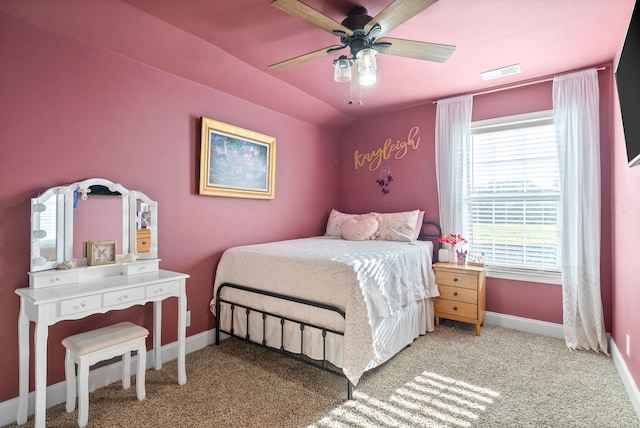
(501, 72)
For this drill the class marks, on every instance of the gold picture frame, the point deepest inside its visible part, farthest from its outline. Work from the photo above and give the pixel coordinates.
(236, 162)
(100, 252)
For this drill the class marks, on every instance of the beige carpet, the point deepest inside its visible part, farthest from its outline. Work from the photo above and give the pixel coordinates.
(450, 378)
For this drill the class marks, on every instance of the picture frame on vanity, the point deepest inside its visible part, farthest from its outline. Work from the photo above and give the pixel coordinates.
(236, 162)
(100, 252)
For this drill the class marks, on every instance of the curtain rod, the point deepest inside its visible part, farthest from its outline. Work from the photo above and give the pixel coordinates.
(518, 85)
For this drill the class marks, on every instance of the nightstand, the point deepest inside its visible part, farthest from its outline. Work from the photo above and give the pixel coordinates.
(462, 293)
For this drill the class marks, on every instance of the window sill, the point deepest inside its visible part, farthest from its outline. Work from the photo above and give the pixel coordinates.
(521, 274)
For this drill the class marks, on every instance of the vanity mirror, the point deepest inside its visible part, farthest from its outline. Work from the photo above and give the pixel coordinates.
(63, 218)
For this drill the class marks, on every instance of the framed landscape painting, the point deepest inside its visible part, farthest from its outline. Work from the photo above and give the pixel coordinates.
(236, 162)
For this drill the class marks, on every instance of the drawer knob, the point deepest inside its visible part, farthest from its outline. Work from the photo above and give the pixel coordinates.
(455, 293)
(455, 279)
(83, 304)
(455, 308)
(160, 289)
(126, 296)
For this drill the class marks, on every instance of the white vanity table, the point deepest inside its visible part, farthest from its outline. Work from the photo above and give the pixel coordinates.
(55, 295)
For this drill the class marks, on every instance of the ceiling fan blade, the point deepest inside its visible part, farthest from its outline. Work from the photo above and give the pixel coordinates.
(418, 50)
(312, 16)
(396, 13)
(306, 57)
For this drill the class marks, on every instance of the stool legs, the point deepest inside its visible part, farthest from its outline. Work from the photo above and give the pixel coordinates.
(70, 376)
(142, 366)
(126, 370)
(83, 393)
(81, 381)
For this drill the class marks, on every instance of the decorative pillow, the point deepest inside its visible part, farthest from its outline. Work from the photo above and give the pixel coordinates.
(418, 225)
(398, 226)
(334, 224)
(361, 228)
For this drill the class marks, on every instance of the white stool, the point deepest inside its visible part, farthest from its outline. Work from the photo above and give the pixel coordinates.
(86, 349)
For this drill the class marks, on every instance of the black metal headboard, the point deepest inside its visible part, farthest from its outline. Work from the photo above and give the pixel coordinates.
(431, 231)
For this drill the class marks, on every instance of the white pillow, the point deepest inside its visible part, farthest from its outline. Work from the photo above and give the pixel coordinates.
(416, 235)
(361, 228)
(334, 224)
(398, 226)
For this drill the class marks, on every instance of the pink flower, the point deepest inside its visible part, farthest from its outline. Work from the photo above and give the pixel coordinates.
(452, 239)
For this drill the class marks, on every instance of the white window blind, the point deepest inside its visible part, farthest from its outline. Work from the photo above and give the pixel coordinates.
(512, 196)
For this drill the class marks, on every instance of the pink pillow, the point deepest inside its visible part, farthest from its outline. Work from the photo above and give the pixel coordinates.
(334, 224)
(398, 226)
(360, 229)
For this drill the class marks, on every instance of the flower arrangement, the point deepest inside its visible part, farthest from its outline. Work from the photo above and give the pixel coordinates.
(453, 239)
(457, 242)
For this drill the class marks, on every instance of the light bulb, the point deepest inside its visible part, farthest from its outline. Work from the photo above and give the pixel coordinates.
(342, 70)
(366, 60)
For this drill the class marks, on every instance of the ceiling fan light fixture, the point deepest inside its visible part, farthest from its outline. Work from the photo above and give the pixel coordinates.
(342, 69)
(367, 66)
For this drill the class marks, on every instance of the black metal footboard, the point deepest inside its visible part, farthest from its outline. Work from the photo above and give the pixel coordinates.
(321, 364)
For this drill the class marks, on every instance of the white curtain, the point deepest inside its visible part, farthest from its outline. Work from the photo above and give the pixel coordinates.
(576, 116)
(453, 136)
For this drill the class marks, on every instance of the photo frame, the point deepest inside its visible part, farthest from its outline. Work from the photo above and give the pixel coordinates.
(100, 252)
(236, 162)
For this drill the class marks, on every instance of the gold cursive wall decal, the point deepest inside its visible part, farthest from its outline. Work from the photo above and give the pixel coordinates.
(399, 149)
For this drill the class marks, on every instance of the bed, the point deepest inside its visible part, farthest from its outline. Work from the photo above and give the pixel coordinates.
(345, 306)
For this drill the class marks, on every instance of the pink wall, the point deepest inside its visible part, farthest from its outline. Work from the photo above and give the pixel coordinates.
(414, 185)
(625, 208)
(414, 175)
(71, 111)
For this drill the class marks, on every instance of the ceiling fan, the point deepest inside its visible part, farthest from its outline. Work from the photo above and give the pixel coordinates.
(362, 34)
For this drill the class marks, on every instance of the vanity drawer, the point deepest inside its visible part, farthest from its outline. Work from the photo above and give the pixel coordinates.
(123, 296)
(458, 294)
(162, 289)
(457, 279)
(452, 307)
(51, 278)
(80, 304)
(144, 266)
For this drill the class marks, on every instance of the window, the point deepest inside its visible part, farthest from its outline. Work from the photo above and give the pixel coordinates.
(512, 197)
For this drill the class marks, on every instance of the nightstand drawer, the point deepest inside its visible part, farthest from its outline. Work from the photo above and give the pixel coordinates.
(452, 307)
(458, 294)
(456, 279)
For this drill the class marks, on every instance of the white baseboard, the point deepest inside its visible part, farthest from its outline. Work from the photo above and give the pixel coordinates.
(543, 328)
(103, 376)
(106, 375)
(625, 375)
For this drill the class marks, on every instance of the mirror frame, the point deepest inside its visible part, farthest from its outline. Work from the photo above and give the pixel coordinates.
(65, 196)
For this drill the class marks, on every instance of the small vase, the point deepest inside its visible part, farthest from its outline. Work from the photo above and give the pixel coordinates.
(452, 254)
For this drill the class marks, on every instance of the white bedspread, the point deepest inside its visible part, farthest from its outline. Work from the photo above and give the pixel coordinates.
(369, 280)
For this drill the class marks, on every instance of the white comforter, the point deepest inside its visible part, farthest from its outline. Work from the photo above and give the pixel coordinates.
(369, 280)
